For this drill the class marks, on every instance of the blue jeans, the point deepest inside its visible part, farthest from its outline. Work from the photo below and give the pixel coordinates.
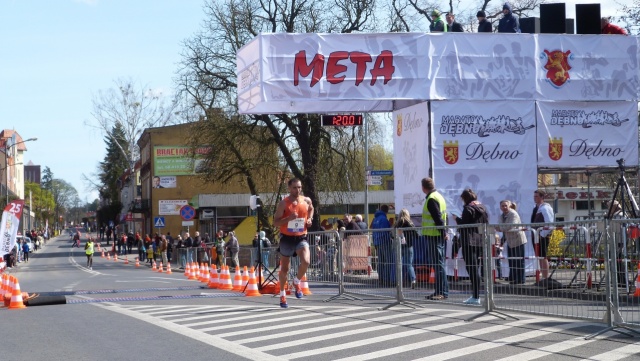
(265, 259)
(386, 264)
(408, 273)
(436, 249)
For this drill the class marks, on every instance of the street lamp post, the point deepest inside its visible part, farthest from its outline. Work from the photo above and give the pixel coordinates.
(10, 147)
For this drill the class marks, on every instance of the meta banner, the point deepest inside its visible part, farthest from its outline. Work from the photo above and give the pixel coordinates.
(411, 160)
(587, 134)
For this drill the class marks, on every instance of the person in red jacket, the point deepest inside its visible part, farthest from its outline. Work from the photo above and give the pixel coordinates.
(608, 28)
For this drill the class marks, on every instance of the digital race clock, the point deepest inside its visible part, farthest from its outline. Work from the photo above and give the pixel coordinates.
(342, 120)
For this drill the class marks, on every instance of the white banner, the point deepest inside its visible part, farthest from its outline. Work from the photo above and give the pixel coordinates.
(411, 160)
(331, 72)
(587, 67)
(489, 147)
(170, 207)
(9, 228)
(482, 66)
(587, 134)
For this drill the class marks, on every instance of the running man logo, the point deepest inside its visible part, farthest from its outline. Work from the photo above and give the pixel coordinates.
(399, 124)
(558, 66)
(555, 148)
(450, 150)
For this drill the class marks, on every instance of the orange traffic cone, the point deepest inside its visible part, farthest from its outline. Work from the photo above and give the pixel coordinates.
(169, 268)
(204, 273)
(115, 257)
(237, 280)
(225, 279)
(304, 285)
(187, 267)
(637, 284)
(137, 262)
(153, 266)
(5, 281)
(16, 296)
(245, 276)
(213, 277)
(126, 260)
(432, 276)
(108, 256)
(160, 267)
(102, 253)
(193, 272)
(252, 287)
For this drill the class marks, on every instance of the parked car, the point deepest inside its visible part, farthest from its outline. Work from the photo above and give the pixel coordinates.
(22, 238)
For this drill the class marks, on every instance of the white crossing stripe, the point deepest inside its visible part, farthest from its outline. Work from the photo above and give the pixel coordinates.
(617, 354)
(549, 350)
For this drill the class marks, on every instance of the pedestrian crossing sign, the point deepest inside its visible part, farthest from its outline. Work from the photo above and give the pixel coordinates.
(158, 222)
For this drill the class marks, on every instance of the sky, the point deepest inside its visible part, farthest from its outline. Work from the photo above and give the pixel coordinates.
(57, 54)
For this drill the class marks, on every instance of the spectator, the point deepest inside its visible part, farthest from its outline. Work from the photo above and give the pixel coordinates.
(407, 238)
(188, 244)
(515, 240)
(484, 26)
(542, 213)
(360, 222)
(434, 214)
(472, 240)
(25, 250)
(219, 243)
(437, 25)
(233, 247)
(351, 225)
(509, 22)
(383, 244)
(452, 25)
(266, 245)
(608, 28)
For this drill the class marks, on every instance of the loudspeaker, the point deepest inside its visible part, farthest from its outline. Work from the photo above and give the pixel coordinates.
(588, 19)
(571, 26)
(552, 18)
(530, 25)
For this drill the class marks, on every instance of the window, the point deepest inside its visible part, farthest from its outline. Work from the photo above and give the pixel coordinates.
(584, 205)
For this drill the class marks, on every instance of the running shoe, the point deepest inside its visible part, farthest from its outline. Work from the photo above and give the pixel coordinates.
(298, 288)
(283, 302)
(472, 301)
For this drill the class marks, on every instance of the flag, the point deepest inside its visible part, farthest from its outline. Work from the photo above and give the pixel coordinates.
(9, 227)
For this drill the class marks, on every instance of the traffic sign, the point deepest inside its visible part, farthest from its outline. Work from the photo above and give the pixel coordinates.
(375, 177)
(158, 222)
(375, 182)
(382, 172)
(187, 223)
(187, 212)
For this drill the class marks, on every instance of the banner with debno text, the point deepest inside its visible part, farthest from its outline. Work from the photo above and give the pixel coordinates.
(9, 228)
(411, 161)
(587, 134)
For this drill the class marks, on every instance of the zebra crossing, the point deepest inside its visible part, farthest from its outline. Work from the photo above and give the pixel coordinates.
(357, 333)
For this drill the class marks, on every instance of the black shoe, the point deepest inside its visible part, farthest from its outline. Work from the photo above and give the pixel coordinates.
(436, 297)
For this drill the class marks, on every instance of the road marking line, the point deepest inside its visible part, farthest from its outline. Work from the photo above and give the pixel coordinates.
(487, 345)
(549, 350)
(354, 332)
(206, 338)
(394, 350)
(617, 354)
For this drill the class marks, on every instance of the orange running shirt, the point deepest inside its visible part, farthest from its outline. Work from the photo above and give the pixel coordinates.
(298, 226)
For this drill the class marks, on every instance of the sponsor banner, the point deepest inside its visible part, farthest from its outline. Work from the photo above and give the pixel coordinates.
(164, 182)
(177, 160)
(482, 66)
(489, 147)
(171, 207)
(587, 134)
(9, 228)
(411, 161)
(331, 72)
(483, 135)
(587, 67)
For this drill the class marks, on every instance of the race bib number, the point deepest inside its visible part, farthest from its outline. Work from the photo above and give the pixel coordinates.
(296, 225)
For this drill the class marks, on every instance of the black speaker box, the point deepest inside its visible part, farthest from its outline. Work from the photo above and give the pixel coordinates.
(571, 26)
(553, 18)
(530, 25)
(588, 19)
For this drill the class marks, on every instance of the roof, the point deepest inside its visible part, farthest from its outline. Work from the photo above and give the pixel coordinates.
(8, 133)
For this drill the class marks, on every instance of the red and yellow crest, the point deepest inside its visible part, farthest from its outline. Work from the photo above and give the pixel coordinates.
(555, 148)
(399, 124)
(450, 151)
(557, 66)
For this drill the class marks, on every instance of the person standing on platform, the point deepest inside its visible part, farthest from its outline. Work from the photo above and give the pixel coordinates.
(452, 25)
(608, 28)
(293, 216)
(434, 214)
(484, 26)
(509, 22)
(543, 213)
(437, 25)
